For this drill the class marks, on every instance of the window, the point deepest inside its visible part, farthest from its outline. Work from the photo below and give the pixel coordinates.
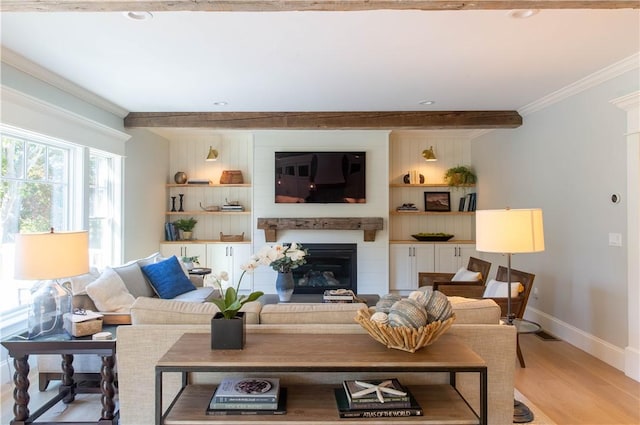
(41, 186)
(102, 209)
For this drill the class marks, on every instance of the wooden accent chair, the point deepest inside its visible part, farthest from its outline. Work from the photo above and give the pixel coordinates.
(474, 265)
(518, 304)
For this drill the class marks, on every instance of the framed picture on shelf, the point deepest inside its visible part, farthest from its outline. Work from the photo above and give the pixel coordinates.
(437, 201)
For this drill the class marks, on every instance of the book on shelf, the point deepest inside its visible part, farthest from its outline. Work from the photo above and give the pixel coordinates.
(358, 396)
(345, 411)
(170, 232)
(232, 208)
(198, 181)
(247, 390)
(471, 202)
(462, 203)
(280, 409)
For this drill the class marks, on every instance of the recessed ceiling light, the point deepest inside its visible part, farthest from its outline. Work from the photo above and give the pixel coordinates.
(522, 13)
(223, 103)
(138, 16)
(427, 102)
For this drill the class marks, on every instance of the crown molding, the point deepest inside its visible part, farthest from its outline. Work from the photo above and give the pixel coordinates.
(598, 77)
(25, 65)
(17, 97)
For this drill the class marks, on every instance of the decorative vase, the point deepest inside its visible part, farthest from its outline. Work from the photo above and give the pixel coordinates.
(227, 334)
(187, 235)
(284, 286)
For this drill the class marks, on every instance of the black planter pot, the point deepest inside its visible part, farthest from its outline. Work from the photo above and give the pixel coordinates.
(227, 334)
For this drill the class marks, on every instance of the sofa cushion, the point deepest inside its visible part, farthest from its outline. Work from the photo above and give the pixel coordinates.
(167, 278)
(134, 280)
(309, 313)
(474, 311)
(79, 283)
(155, 311)
(109, 293)
(198, 295)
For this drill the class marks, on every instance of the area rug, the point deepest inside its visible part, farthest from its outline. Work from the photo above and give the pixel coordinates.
(539, 418)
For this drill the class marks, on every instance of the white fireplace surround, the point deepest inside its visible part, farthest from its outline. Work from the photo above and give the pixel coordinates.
(373, 256)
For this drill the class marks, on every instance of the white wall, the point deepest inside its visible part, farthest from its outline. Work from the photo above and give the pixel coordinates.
(568, 159)
(373, 257)
(146, 167)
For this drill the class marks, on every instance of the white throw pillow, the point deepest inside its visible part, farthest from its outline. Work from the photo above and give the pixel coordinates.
(464, 275)
(79, 283)
(109, 293)
(497, 289)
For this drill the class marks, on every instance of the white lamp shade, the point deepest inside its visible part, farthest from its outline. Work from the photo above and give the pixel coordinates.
(509, 231)
(41, 256)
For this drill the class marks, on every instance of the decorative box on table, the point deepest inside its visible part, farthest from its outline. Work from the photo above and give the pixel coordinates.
(87, 323)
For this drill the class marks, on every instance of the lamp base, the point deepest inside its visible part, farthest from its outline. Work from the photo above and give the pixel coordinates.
(521, 413)
(50, 300)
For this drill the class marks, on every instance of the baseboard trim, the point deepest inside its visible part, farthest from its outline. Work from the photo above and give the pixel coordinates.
(599, 348)
(632, 363)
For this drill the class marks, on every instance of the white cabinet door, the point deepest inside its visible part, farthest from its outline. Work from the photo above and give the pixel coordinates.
(229, 258)
(401, 267)
(186, 250)
(406, 261)
(424, 260)
(450, 257)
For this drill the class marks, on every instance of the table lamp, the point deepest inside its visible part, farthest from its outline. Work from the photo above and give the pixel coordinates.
(47, 257)
(509, 231)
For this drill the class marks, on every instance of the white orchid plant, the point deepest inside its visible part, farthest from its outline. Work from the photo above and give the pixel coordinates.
(281, 258)
(231, 302)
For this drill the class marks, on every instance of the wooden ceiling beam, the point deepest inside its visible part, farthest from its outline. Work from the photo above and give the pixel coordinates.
(301, 5)
(327, 120)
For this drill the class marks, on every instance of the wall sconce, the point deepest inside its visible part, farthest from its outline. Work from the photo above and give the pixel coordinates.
(213, 155)
(428, 155)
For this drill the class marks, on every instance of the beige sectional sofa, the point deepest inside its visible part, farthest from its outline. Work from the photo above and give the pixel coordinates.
(157, 324)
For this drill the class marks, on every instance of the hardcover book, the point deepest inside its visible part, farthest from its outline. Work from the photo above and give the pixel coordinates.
(357, 393)
(247, 390)
(280, 409)
(345, 411)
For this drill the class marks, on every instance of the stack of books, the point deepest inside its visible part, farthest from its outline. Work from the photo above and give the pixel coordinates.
(248, 396)
(233, 208)
(375, 399)
(338, 296)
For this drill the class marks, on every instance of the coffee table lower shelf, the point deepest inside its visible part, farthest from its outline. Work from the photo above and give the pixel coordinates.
(315, 404)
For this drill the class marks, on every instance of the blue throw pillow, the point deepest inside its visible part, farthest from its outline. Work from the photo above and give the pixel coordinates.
(167, 278)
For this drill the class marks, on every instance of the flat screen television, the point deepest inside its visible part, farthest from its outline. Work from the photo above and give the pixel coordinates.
(320, 177)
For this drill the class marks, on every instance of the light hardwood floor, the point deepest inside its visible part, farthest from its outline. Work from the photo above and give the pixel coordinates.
(574, 388)
(568, 385)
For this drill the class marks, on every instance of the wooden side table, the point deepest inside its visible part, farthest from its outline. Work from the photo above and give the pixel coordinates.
(67, 346)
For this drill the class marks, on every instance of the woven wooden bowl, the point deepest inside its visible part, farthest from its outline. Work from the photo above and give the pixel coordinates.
(402, 337)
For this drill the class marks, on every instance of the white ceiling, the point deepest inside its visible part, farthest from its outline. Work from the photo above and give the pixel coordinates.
(324, 61)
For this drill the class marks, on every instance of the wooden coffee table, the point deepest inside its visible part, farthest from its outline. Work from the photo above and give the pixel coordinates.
(272, 354)
(67, 346)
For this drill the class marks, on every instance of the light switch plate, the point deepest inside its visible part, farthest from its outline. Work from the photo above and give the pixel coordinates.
(615, 239)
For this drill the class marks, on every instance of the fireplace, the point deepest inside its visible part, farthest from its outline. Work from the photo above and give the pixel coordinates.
(329, 266)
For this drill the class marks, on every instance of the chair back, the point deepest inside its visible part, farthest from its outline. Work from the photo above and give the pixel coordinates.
(519, 303)
(480, 266)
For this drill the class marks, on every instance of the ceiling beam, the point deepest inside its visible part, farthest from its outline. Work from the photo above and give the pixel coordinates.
(327, 120)
(301, 5)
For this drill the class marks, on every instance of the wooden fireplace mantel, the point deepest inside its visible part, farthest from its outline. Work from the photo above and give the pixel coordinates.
(368, 224)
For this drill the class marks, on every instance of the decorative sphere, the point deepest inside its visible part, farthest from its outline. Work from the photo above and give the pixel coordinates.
(180, 177)
(386, 301)
(380, 317)
(439, 307)
(422, 297)
(409, 313)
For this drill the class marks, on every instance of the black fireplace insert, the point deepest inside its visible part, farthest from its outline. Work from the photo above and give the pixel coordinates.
(329, 266)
